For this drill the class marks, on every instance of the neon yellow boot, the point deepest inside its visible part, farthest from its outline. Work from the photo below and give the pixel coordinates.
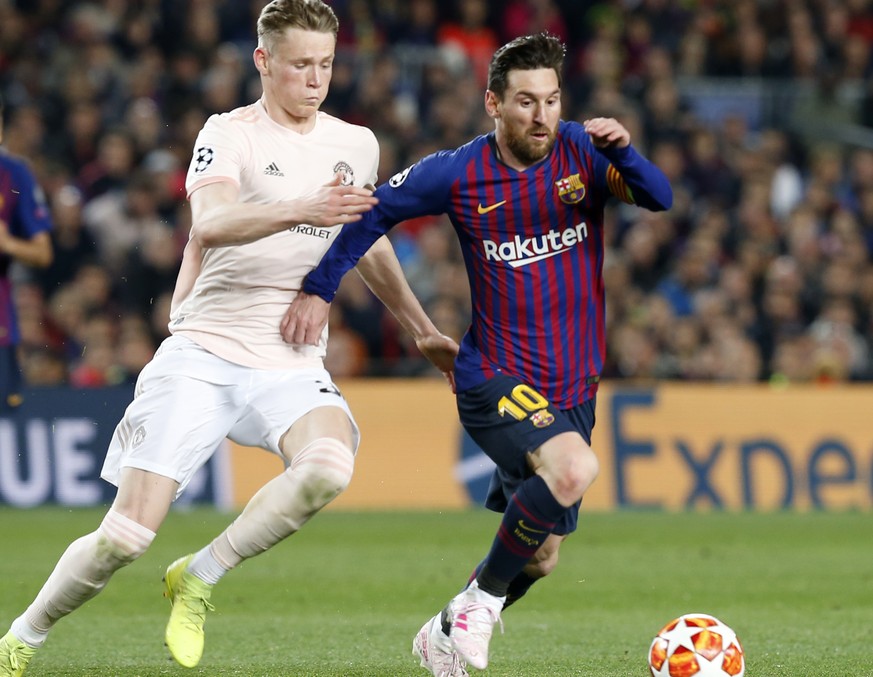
(190, 599)
(14, 655)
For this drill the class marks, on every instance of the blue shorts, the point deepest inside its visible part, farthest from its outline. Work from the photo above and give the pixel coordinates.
(508, 419)
(10, 379)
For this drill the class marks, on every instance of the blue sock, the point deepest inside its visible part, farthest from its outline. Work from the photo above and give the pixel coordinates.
(475, 573)
(527, 521)
(518, 587)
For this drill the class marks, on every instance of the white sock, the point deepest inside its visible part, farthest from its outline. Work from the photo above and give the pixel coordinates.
(318, 473)
(27, 633)
(206, 567)
(84, 569)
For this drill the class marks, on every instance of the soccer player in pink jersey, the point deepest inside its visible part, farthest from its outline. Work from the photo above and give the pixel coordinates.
(270, 186)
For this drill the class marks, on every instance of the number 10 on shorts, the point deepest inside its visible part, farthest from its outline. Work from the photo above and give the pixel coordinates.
(522, 401)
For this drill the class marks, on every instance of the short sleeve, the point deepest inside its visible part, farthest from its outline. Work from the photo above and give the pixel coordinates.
(218, 155)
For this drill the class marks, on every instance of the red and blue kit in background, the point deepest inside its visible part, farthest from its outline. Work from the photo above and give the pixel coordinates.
(24, 213)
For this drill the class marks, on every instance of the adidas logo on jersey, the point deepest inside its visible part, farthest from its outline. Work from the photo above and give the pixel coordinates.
(273, 170)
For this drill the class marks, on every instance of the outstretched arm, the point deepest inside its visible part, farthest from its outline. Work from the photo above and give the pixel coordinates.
(380, 269)
(345, 252)
(419, 190)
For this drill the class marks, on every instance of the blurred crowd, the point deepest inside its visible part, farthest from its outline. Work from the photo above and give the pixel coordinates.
(761, 271)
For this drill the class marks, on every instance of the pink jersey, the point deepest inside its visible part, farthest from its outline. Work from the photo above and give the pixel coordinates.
(242, 292)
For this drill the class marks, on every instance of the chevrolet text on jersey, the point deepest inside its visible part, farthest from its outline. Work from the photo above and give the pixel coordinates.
(521, 252)
(315, 231)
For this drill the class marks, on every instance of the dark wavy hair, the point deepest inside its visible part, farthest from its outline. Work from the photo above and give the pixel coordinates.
(529, 52)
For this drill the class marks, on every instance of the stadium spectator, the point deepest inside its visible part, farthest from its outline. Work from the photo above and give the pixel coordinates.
(266, 179)
(417, 26)
(71, 241)
(135, 346)
(96, 366)
(24, 238)
(122, 220)
(532, 16)
(469, 36)
(24, 131)
(43, 361)
(72, 74)
(111, 168)
(529, 365)
(150, 271)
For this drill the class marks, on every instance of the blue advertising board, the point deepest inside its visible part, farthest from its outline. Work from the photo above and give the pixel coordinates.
(52, 449)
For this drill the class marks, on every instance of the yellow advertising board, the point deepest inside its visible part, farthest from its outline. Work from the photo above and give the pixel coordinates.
(410, 439)
(665, 446)
(738, 447)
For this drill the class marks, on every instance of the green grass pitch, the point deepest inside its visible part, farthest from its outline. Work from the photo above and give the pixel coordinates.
(345, 596)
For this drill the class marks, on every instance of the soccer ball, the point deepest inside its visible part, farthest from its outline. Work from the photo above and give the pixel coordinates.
(696, 645)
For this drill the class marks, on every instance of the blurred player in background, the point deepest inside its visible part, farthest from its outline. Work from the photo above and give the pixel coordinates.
(527, 204)
(25, 228)
(264, 182)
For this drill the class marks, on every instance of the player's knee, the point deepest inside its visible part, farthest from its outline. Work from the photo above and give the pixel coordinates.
(121, 540)
(579, 473)
(325, 467)
(587, 469)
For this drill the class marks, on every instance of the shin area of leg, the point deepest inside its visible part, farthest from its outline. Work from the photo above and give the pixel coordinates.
(318, 473)
(85, 568)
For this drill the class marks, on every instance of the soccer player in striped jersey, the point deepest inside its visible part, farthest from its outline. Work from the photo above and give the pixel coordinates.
(527, 203)
(25, 227)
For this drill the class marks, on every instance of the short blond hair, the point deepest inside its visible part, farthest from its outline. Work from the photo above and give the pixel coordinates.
(308, 15)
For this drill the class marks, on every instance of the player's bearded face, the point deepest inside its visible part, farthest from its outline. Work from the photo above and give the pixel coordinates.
(529, 114)
(532, 143)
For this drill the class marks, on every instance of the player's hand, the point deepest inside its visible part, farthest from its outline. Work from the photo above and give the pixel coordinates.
(304, 320)
(335, 204)
(607, 132)
(441, 351)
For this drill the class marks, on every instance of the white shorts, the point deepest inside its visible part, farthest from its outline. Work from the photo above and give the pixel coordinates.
(187, 400)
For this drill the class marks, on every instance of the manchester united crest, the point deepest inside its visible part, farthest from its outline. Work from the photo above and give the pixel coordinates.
(345, 170)
(570, 189)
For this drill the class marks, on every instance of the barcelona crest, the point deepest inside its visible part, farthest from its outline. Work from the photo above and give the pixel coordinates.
(542, 418)
(570, 189)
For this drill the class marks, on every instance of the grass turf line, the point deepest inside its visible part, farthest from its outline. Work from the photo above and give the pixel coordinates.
(345, 596)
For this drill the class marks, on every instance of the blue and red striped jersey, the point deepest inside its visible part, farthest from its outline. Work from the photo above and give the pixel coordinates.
(533, 246)
(24, 212)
